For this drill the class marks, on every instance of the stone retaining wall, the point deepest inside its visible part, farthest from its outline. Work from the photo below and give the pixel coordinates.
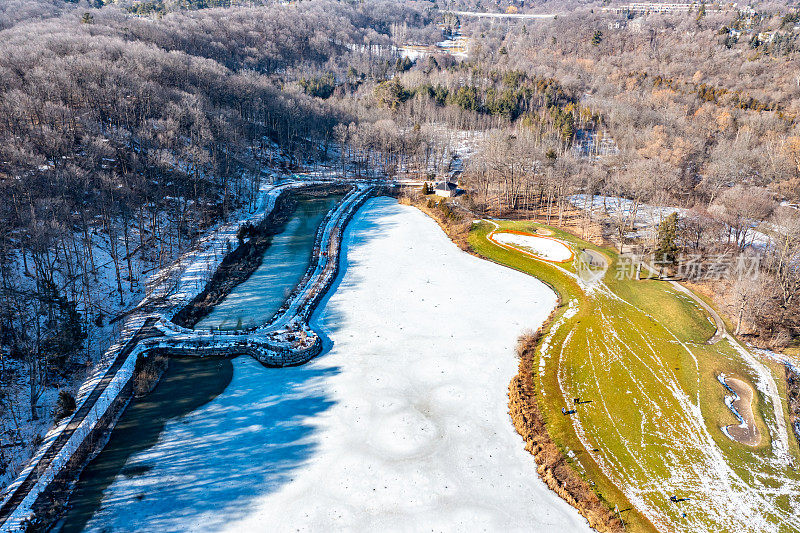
(240, 263)
(271, 356)
(50, 502)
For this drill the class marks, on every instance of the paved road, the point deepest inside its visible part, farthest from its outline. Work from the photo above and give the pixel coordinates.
(721, 332)
(145, 331)
(502, 15)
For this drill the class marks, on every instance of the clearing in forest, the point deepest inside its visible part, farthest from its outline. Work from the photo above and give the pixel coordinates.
(646, 431)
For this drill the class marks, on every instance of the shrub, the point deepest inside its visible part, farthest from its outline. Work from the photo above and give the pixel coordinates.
(246, 231)
(65, 405)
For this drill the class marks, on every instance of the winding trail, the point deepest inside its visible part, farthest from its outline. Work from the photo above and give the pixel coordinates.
(721, 331)
(287, 339)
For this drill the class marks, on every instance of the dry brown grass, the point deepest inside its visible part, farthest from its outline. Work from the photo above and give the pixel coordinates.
(551, 463)
(147, 373)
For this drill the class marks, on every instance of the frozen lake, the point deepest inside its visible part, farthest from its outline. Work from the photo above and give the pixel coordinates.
(401, 425)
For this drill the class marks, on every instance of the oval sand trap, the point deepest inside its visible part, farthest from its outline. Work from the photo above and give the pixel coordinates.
(538, 246)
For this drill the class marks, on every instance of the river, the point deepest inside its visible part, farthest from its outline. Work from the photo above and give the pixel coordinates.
(139, 472)
(254, 301)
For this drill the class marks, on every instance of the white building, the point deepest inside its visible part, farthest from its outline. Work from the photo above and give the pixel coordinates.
(446, 189)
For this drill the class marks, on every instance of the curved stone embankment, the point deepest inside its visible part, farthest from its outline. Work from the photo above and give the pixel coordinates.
(238, 265)
(287, 339)
(740, 402)
(179, 285)
(40, 491)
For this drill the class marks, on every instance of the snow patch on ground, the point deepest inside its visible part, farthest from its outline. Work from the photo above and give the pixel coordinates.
(643, 219)
(544, 247)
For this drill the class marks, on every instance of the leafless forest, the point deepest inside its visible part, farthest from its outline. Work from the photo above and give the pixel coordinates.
(126, 130)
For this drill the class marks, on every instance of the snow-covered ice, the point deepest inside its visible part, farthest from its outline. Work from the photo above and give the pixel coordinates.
(402, 425)
(418, 434)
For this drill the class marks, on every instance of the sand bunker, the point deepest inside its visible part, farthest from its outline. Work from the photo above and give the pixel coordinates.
(741, 404)
(537, 246)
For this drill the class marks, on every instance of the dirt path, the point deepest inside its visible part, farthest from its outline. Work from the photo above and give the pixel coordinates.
(721, 332)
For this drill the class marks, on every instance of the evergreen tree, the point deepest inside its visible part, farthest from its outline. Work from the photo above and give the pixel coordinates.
(391, 93)
(667, 247)
(467, 98)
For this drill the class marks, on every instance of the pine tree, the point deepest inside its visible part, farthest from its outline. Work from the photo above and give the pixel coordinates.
(667, 246)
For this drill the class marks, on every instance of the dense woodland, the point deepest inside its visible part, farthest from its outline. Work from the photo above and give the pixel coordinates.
(700, 121)
(122, 137)
(128, 129)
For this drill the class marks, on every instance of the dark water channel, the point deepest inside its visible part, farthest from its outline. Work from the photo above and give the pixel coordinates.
(212, 431)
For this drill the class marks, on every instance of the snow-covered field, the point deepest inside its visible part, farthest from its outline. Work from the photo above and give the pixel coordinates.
(543, 247)
(402, 425)
(643, 219)
(640, 217)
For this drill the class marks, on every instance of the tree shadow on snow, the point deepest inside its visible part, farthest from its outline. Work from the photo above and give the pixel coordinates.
(216, 436)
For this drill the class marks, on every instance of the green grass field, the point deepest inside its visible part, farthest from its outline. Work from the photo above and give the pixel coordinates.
(636, 349)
